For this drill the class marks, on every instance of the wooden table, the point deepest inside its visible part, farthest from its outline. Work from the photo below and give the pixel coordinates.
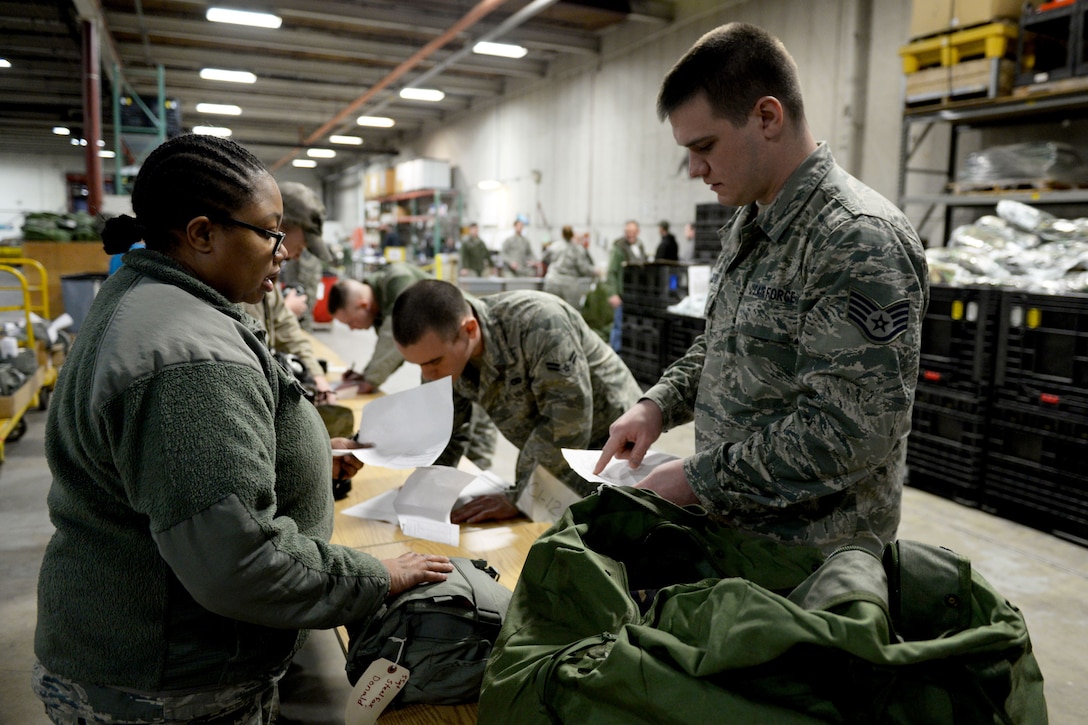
(504, 544)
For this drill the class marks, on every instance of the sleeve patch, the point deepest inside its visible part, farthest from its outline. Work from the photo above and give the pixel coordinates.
(878, 324)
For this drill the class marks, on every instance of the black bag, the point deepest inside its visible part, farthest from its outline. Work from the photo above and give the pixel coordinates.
(442, 633)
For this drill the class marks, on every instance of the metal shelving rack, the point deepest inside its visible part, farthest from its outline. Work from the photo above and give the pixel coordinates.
(965, 116)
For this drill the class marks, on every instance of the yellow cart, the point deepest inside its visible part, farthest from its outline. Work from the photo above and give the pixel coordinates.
(37, 387)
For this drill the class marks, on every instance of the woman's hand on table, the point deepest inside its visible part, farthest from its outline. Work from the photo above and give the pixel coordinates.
(410, 569)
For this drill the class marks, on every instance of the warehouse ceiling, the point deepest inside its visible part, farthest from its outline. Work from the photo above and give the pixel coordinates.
(328, 63)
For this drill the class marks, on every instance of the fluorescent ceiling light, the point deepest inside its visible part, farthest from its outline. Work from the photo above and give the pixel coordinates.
(304, 163)
(506, 50)
(489, 184)
(105, 154)
(223, 109)
(220, 131)
(5, 63)
(74, 142)
(230, 76)
(422, 94)
(347, 140)
(375, 121)
(242, 17)
(62, 131)
(321, 153)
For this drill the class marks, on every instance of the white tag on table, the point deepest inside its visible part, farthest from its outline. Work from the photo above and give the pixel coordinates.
(381, 682)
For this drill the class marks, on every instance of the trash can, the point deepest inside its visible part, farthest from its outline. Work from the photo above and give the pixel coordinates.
(78, 291)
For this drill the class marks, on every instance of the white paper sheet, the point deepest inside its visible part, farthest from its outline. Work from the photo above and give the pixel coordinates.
(407, 429)
(423, 504)
(617, 472)
(378, 508)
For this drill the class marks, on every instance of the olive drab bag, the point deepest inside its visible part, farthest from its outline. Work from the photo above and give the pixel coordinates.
(441, 632)
(633, 610)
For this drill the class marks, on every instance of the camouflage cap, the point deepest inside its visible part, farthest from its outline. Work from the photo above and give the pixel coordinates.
(302, 208)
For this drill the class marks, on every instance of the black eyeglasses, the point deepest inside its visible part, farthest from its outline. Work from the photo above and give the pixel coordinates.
(268, 234)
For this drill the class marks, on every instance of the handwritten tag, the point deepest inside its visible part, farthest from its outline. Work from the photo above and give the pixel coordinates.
(381, 682)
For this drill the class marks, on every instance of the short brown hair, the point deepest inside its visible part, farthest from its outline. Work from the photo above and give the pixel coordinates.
(429, 304)
(734, 65)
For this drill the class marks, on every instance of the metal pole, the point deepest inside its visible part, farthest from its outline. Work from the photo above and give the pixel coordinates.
(92, 115)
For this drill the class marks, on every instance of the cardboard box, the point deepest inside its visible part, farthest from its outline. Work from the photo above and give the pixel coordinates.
(929, 17)
(975, 12)
(423, 174)
(973, 77)
(12, 404)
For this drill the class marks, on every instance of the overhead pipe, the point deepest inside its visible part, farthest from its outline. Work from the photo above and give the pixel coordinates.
(480, 11)
(92, 116)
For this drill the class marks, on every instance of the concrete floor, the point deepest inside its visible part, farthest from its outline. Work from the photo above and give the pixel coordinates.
(1046, 577)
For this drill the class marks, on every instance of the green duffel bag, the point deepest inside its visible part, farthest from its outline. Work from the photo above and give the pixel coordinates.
(633, 610)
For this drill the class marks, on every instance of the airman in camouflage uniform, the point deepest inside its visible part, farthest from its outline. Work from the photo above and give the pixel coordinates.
(517, 253)
(570, 270)
(361, 309)
(475, 256)
(529, 359)
(802, 387)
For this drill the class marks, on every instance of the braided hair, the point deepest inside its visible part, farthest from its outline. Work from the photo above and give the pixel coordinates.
(186, 177)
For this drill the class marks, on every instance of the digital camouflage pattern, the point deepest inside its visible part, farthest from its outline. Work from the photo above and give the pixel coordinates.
(70, 703)
(570, 272)
(517, 250)
(283, 331)
(545, 379)
(305, 272)
(802, 387)
(387, 284)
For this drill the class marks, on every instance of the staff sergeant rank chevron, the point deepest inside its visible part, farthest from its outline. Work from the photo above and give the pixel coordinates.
(879, 324)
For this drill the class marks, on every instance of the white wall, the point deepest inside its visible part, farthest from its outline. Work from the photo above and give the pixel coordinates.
(31, 182)
(591, 129)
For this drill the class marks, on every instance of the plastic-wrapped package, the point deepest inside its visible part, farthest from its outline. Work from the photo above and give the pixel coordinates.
(1022, 216)
(1031, 162)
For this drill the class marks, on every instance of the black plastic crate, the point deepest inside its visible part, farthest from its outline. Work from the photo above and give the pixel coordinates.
(1046, 48)
(946, 451)
(713, 214)
(680, 333)
(1043, 350)
(642, 334)
(959, 338)
(655, 285)
(645, 368)
(1036, 468)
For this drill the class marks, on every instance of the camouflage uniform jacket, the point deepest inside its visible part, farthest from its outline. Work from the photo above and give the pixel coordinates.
(546, 379)
(517, 250)
(475, 256)
(306, 272)
(387, 284)
(283, 333)
(802, 387)
(622, 254)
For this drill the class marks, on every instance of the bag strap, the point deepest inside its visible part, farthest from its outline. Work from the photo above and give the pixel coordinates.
(490, 608)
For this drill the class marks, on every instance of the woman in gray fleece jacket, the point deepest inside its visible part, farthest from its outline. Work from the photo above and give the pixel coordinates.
(191, 479)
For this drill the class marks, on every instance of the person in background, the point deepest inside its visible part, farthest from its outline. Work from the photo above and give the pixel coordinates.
(302, 209)
(390, 237)
(274, 313)
(689, 241)
(190, 489)
(362, 305)
(475, 256)
(626, 250)
(517, 252)
(366, 304)
(667, 248)
(801, 388)
(570, 270)
(531, 362)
